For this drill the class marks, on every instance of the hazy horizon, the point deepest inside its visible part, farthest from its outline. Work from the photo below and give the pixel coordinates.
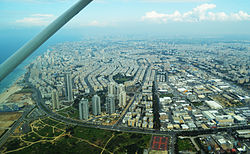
(21, 20)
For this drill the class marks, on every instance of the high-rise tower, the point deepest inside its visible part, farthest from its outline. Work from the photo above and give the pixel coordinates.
(111, 88)
(96, 105)
(120, 88)
(110, 104)
(122, 99)
(84, 109)
(68, 86)
(55, 100)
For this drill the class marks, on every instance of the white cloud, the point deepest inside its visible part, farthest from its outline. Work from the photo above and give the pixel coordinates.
(154, 15)
(36, 20)
(240, 16)
(96, 23)
(204, 7)
(200, 13)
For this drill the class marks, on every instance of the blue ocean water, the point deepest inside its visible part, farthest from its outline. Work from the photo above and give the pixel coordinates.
(11, 40)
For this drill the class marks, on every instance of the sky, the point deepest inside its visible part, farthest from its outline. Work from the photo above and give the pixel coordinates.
(173, 17)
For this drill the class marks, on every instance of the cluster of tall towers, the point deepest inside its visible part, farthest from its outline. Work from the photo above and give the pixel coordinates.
(68, 92)
(115, 92)
(84, 107)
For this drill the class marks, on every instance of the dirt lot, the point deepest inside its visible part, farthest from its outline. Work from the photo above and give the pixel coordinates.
(18, 97)
(7, 119)
(1, 132)
(11, 116)
(5, 124)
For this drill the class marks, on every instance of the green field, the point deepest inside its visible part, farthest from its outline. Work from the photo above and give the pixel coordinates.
(70, 112)
(166, 95)
(197, 104)
(120, 79)
(129, 143)
(50, 136)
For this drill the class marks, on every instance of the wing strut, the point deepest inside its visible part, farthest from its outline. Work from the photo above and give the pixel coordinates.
(21, 54)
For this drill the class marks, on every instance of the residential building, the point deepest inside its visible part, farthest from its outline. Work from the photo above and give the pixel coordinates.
(84, 109)
(68, 87)
(96, 105)
(110, 104)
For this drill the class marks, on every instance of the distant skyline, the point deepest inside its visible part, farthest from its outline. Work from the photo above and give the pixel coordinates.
(174, 17)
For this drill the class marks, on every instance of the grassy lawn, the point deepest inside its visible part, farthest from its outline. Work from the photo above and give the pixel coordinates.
(166, 95)
(97, 136)
(39, 124)
(49, 121)
(31, 137)
(1, 132)
(61, 126)
(62, 146)
(71, 112)
(12, 144)
(120, 79)
(185, 145)
(129, 143)
(197, 104)
(46, 131)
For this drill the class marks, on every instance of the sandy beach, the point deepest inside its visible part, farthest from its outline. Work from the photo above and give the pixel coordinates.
(14, 88)
(5, 95)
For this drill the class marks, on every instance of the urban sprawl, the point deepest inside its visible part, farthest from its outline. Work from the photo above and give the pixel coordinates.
(182, 90)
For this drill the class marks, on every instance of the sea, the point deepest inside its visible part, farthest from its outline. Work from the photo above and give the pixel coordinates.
(12, 40)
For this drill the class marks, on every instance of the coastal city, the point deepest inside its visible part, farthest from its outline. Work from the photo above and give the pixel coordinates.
(179, 96)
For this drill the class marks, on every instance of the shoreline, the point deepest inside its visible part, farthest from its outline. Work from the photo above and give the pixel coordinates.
(12, 79)
(15, 87)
